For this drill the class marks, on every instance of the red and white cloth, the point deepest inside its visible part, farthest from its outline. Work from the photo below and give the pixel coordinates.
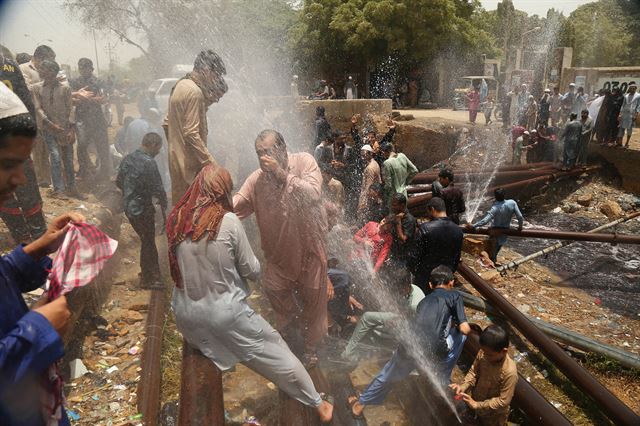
(79, 260)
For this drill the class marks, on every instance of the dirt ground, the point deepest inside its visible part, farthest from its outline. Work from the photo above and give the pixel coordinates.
(109, 341)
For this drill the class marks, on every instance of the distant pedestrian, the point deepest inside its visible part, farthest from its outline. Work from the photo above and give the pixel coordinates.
(473, 98)
(585, 137)
(555, 106)
(350, 89)
(571, 139)
(628, 114)
(488, 109)
(544, 106)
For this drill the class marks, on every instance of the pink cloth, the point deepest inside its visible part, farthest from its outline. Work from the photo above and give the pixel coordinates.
(291, 217)
(80, 259)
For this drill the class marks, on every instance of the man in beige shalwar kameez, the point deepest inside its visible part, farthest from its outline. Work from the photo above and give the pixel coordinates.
(186, 121)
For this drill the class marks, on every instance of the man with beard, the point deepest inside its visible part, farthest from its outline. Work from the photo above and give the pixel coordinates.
(286, 196)
(186, 122)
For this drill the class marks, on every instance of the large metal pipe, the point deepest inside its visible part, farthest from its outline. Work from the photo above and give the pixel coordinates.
(150, 377)
(562, 334)
(430, 176)
(542, 179)
(201, 395)
(615, 409)
(561, 235)
(526, 397)
(515, 263)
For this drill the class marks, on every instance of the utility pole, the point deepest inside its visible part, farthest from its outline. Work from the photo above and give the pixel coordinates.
(95, 48)
(109, 48)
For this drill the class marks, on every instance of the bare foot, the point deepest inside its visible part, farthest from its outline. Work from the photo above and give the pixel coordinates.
(356, 408)
(325, 412)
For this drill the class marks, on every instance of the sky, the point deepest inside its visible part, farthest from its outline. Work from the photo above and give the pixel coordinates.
(539, 7)
(26, 23)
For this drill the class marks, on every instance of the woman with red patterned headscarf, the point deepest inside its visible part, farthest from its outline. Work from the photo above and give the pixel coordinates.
(211, 260)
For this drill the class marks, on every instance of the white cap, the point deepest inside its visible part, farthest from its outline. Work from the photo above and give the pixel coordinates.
(547, 90)
(572, 85)
(367, 148)
(534, 131)
(526, 133)
(350, 78)
(10, 103)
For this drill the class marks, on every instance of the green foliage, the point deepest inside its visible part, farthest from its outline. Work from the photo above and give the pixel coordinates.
(602, 33)
(333, 34)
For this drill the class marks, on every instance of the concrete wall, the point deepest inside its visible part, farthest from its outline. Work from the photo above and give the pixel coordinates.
(344, 109)
(626, 161)
(598, 78)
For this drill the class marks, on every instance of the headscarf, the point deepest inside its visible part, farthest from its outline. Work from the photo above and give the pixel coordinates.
(199, 212)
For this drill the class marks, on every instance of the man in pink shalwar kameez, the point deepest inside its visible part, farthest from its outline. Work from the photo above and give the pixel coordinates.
(285, 194)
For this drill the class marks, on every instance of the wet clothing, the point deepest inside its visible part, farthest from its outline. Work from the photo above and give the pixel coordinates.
(543, 109)
(212, 313)
(28, 342)
(22, 213)
(381, 244)
(555, 105)
(140, 181)
(439, 242)
(453, 200)
(501, 213)
(323, 131)
(493, 385)
(435, 324)
(292, 226)
(571, 137)
(402, 250)
(373, 327)
(187, 129)
(585, 137)
(397, 173)
(437, 314)
(338, 307)
(92, 128)
(370, 176)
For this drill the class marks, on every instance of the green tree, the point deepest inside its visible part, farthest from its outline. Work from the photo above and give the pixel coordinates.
(601, 34)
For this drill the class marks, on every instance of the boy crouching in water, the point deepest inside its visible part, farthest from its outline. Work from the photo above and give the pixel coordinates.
(492, 377)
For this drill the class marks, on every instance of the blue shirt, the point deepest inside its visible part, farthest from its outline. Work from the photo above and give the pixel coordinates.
(501, 212)
(28, 342)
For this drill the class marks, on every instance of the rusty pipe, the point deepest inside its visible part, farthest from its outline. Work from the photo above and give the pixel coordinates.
(526, 397)
(614, 238)
(201, 395)
(543, 179)
(430, 176)
(150, 377)
(615, 409)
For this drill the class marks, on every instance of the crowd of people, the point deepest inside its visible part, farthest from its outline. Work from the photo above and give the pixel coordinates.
(559, 127)
(298, 199)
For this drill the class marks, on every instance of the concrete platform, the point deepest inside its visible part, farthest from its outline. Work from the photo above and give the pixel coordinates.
(344, 109)
(626, 161)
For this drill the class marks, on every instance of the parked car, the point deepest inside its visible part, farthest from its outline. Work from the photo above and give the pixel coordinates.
(160, 90)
